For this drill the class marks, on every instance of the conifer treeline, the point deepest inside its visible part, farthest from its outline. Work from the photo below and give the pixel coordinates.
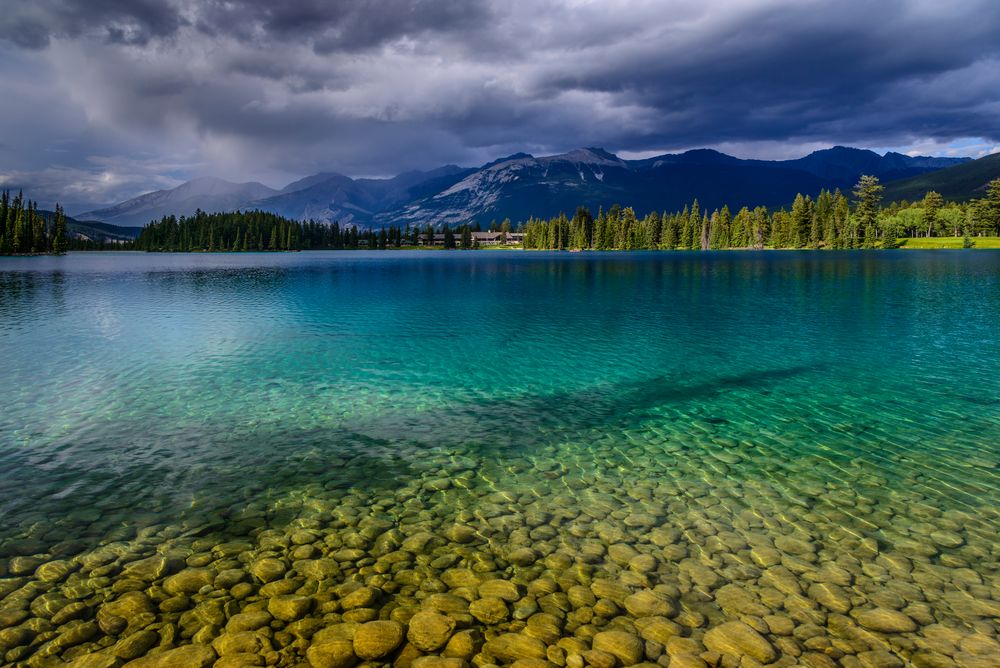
(257, 231)
(829, 221)
(23, 230)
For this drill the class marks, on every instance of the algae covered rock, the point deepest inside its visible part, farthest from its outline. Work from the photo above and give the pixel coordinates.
(188, 656)
(489, 610)
(332, 654)
(289, 607)
(622, 645)
(648, 603)
(886, 620)
(268, 569)
(739, 639)
(189, 581)
(430, 631)
(510, 647)
(375, 640)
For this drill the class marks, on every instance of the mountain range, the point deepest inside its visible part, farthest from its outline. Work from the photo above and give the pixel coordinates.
(522, 185)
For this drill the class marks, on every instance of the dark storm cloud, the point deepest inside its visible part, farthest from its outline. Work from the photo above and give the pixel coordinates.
(340, 26)
(255, 89)
(32, 24)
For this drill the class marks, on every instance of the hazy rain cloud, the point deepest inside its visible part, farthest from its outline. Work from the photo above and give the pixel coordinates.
(112, 98)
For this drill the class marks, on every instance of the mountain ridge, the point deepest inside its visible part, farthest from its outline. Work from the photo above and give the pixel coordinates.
(959, 182)
(521, 185)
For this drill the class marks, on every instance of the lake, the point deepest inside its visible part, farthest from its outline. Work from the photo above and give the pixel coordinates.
(787, 456)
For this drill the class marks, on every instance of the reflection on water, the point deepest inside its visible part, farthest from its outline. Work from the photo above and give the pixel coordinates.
(786, 457)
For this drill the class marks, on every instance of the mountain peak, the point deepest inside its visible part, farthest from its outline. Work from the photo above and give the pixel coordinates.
(509, 158)
(590, 156)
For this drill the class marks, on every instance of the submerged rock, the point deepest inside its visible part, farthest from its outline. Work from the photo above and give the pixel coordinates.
(739, 639)
(375, 640)
(429, 631)
(626, 647)
(886, 620)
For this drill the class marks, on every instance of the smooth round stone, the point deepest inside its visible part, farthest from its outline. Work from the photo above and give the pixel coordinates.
(317, 569)
(658, 629)
(947, 538)
(524, 556)
(127, 607)
(135, 645)
(643, 563)
(739, 639)
(438, 662)
(886, 620)
(268, 569)
(248, 621)
(149, 569)
(375, 640)
(580, 597)
(503, 589)
(95, 661)
(332, 654)
(621, 553)
(189, 581)
(610, 590)
(363, 597)
(489, 610)
(831, 597)
(464, 644)
(792, 545)
(460, 533)
(418, 542)
(510, 647)
(437, 485)
(229, 578)
(243, 642)
(429, 631)
(188, 656)
(54, 571)
(75, 610)
(289, 608)
(626, 647)
(648, 603)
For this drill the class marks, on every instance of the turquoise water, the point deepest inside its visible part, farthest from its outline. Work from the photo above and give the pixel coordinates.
(831, 411)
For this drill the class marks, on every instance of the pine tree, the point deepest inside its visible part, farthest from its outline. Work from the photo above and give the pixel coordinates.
(670, 233)
(18, 240)
(800, 222)
(59, 234)
(932, 205)
(693, 230)
(993, 207)
(868, 197)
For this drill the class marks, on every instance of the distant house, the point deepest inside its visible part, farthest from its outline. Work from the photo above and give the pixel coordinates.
(484, 238)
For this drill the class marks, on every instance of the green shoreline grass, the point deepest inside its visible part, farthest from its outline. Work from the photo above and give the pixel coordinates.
(924, 243)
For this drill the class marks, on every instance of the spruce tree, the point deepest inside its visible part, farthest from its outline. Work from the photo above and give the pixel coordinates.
(932, 205)
(59, 234)
(993, 207)
(868, 197)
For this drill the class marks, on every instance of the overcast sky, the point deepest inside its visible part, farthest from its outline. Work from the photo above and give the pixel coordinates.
(106, 99)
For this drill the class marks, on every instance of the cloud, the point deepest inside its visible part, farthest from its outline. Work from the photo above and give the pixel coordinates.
(269, 91)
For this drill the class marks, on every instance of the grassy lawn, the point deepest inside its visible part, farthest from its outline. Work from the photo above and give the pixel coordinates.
(948, 242)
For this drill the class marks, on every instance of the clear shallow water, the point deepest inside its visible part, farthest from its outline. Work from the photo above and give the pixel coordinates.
(768, 427)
